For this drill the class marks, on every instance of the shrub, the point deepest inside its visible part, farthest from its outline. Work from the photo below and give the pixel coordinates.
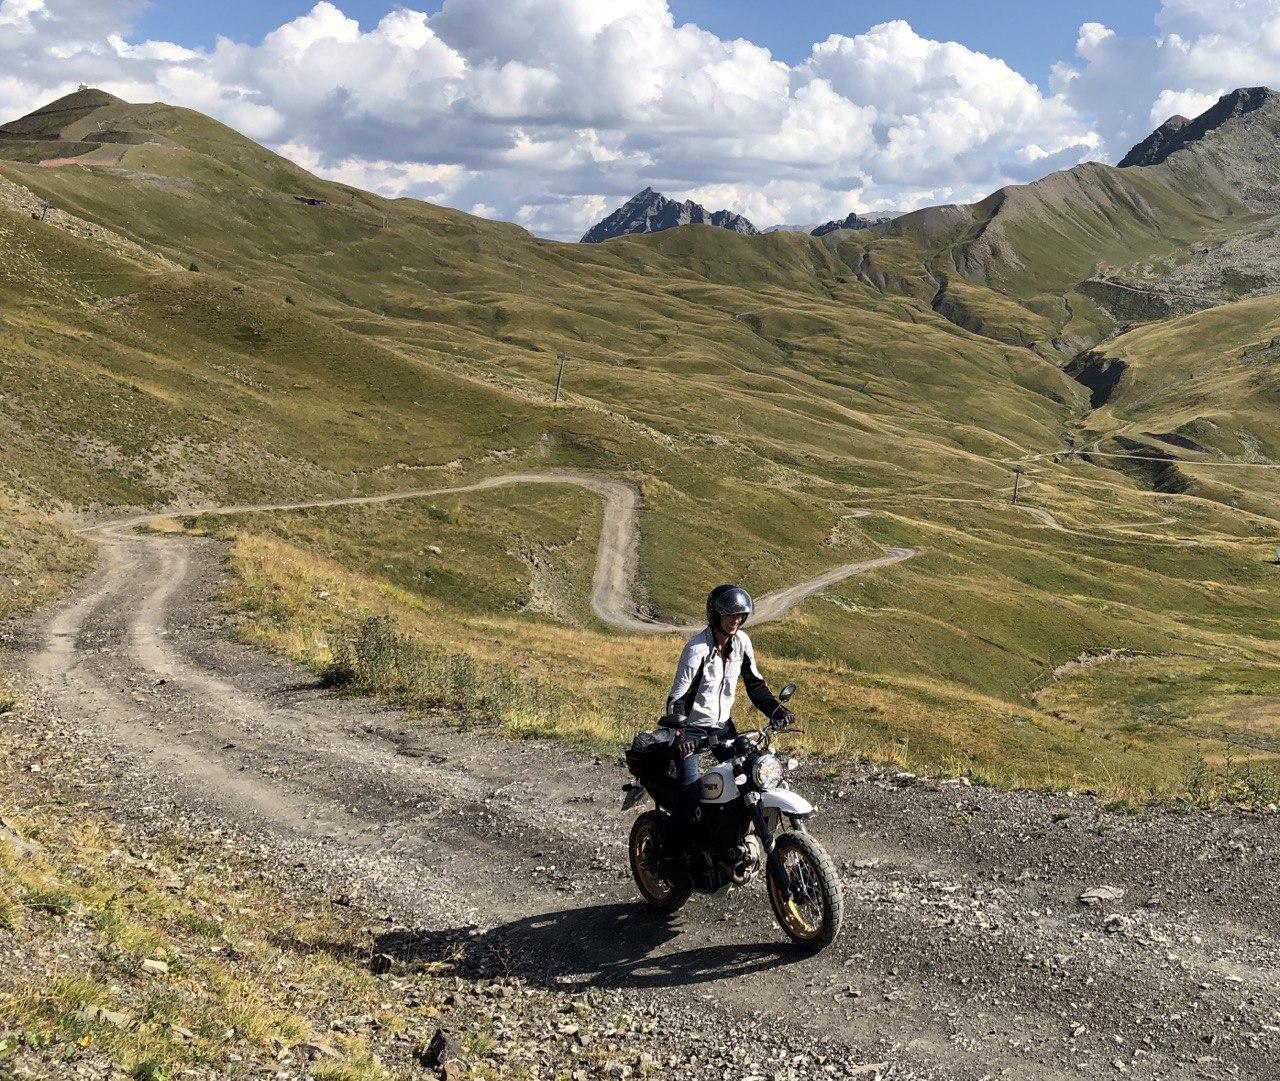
(1249, 783)
(378, 659)
(58, 902)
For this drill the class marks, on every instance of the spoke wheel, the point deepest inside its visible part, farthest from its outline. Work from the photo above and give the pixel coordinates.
(646, 865)
(812, 915)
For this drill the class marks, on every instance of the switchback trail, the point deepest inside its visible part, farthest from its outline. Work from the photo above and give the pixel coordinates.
(1046, 518)
(966, 953)
(617, 553)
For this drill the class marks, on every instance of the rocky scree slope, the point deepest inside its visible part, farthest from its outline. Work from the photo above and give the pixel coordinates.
(649, 211)
(1158, 145)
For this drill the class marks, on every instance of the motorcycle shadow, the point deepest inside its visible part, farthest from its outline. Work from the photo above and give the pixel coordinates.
(611, 945)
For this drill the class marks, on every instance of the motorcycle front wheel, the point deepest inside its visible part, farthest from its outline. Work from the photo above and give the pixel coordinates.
(812, 915)
(646, 865)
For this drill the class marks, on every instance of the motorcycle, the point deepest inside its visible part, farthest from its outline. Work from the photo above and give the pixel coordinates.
(748, 822)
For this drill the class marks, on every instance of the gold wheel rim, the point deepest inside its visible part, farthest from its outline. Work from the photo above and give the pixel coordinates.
(654, 885)
(803, 913)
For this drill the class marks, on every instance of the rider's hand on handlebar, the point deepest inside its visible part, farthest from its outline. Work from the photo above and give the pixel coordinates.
(783, 717)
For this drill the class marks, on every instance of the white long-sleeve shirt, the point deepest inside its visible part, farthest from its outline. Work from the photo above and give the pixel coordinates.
(708, 703)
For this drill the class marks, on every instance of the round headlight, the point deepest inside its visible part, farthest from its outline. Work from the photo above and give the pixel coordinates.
(767, 772)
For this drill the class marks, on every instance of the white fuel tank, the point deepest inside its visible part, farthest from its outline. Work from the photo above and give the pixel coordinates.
(717, 784)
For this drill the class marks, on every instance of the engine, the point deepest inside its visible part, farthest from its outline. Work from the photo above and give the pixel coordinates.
(750, 860)
(731, 852)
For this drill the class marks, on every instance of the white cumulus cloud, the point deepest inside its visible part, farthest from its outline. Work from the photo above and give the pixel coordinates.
(1200, 50)
(553, 112)
(1186, 103)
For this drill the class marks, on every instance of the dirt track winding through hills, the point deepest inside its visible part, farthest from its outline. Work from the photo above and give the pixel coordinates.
(966, 953)
(617, 553)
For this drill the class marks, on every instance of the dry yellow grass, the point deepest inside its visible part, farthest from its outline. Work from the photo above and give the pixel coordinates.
(922, 724)
(246, 968)
(38, 557)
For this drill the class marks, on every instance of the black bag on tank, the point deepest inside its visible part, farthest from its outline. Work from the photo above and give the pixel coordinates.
(649, 756)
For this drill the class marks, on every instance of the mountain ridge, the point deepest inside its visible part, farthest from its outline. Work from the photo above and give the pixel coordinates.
(1109, 246)
(852, 220)
(1177, 132)
(650, 211)
(1155, 147)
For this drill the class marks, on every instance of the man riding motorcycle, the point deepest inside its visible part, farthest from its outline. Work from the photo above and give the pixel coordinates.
(700, 704)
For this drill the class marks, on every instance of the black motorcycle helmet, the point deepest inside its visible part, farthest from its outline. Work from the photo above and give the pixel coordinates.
(728, 600)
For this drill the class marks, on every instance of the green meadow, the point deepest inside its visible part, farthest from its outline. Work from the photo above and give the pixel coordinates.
(202, 336)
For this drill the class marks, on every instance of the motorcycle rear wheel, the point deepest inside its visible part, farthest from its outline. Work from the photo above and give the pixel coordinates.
(812, 915)
(645, 849)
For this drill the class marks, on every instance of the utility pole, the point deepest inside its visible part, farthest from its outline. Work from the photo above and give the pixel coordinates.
(1017, 482)
(560, 378)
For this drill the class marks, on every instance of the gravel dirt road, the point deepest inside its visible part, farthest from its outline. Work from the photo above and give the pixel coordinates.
(617, 551)
(967, 952)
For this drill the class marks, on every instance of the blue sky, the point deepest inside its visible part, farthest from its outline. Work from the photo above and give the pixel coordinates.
(1029, 35)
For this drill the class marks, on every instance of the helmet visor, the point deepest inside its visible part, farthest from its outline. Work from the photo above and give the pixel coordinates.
(733, 602)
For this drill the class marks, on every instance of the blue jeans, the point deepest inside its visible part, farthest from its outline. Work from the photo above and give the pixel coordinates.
(689, 767)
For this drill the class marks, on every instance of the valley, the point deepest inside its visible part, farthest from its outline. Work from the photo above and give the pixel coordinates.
(755, 392)
(303, 554)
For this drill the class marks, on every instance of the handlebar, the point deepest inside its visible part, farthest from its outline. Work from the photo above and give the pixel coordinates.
(754, 739)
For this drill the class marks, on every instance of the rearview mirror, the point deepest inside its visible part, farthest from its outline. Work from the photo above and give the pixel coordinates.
(786, 692)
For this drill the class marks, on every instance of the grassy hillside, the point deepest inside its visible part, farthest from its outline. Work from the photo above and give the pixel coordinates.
(1200, 393)
(1093, 248)
(757, 391)
(39, 558)
(328, 355)
(948, 663)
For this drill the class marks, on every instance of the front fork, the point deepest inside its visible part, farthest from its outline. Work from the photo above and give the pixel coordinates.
(773, 865)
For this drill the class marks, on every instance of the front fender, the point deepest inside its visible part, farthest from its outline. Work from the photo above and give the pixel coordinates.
(788, 802)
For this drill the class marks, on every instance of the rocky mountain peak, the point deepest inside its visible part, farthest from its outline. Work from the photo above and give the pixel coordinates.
(853, 220)
(1155, 147)
(649, 211)
(1177, 132)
